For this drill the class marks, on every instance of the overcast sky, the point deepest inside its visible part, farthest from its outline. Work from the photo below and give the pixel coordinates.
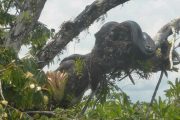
(151, 15)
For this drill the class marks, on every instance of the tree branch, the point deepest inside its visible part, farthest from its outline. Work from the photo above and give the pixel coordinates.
(166, 31)
(24, 23)
(71, 29)
(40, 112)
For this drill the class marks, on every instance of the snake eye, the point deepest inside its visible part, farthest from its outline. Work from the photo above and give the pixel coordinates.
(148, 48)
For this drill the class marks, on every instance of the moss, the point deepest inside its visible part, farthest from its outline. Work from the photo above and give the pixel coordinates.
(158, 52)
(79, 65)
(145, 66)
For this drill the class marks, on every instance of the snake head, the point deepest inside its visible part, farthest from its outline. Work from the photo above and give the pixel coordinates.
(149, 44)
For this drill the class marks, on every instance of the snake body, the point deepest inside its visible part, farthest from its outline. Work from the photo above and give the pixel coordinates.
(140, 39)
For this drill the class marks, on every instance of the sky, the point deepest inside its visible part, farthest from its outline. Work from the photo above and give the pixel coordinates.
(151, 15)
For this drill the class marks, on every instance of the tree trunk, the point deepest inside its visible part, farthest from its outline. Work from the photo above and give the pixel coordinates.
(25, 21)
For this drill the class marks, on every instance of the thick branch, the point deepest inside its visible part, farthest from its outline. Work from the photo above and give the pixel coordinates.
(166, 31)
(71, 29)
(24, 23)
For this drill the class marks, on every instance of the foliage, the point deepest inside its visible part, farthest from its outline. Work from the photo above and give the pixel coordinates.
(57, 82)
(22, 83)
(38, 37)
(79, 65)
(119, 107)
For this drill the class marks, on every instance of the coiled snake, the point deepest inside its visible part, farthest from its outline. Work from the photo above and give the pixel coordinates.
(140, 39)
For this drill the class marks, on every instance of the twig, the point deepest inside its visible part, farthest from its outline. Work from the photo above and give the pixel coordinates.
(131, 78)
(128, 73)
(123, 77)
(176, 62)
(177, 55)
(154, 95)
(1, 91)
(27, 115)
(5, 28)
(41, 112)
(18, 4)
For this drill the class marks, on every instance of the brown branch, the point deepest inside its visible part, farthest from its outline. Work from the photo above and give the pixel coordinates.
(71, 29)
(41, 112)
(24, 23)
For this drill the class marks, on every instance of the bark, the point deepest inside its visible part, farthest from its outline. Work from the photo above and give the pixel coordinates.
(28, 17)
(71, 29)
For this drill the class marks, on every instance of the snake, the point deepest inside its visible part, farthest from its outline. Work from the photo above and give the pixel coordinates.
(139, 39)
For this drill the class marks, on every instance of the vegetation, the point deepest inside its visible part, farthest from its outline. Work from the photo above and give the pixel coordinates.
(116, 106)
(25, 88)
